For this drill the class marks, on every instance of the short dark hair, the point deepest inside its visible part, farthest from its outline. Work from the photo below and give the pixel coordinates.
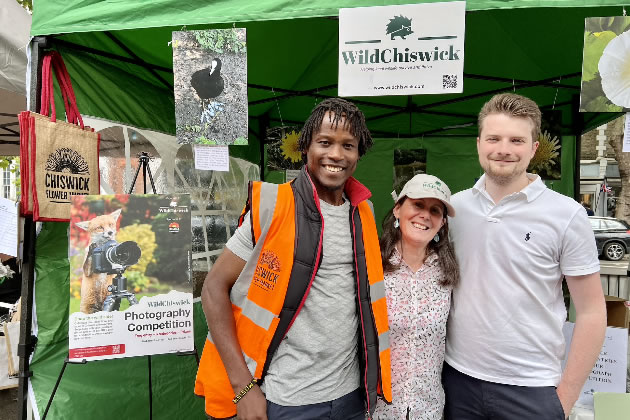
(339, 108)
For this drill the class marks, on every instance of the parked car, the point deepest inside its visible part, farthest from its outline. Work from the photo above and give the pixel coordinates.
(612, 237)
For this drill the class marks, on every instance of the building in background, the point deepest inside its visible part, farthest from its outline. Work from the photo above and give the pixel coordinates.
(600, 183)
(8, 177)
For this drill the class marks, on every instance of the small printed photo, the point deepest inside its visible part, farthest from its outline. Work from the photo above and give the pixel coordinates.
(546, 162)
(283, 152)
(407, 164)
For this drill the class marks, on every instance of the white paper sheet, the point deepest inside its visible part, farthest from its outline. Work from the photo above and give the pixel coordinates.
(212, 158)
(8, 227)
(609, 372)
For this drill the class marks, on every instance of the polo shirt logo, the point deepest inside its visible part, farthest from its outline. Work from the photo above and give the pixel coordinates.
(528, 236)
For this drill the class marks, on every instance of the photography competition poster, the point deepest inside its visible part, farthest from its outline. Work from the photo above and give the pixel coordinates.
(130, 278)
(210, 86)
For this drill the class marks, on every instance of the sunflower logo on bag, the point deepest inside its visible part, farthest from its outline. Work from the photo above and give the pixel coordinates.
(65, 175)
(66, 160)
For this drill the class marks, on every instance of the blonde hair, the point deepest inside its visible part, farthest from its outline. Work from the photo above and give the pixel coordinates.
(512, 105)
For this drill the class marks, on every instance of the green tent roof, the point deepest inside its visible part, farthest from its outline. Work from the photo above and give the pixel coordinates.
(53, 17)
(126, 75)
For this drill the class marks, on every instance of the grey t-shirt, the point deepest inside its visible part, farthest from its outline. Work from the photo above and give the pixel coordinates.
(317, 361)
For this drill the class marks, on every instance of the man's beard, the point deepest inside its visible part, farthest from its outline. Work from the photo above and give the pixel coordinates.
(502, 177)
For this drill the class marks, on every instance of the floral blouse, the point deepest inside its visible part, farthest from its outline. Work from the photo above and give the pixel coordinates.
(417, 308)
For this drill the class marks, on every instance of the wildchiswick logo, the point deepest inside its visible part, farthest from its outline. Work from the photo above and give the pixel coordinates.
(399, 27)
(67, 174)
(437, 185)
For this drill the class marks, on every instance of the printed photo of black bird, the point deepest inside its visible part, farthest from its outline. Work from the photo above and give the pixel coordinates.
(208, 84)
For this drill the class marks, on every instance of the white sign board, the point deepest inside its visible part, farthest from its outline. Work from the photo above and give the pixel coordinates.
(402, 50)
(119, 307)
(8, 227)
(609, 372)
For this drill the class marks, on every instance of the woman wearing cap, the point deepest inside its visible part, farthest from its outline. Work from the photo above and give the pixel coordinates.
(420, 272)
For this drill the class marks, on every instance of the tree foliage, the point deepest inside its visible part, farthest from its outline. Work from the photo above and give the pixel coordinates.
(27, 4)
(13, 164)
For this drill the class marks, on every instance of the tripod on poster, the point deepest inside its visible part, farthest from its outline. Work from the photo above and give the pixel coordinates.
(118, 291)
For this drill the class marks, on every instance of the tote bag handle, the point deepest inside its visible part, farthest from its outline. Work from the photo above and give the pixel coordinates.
(53, 60)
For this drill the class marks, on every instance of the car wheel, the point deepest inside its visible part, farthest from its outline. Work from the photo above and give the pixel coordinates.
(614, 251)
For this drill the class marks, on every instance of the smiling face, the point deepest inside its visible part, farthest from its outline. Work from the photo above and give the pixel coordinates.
(331, 159)
(420, 219)
(505, 148)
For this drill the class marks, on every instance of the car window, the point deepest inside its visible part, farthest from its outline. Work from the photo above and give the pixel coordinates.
(594, 223)
(613, 224)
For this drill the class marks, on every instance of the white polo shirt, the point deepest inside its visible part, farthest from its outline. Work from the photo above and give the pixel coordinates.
(505, 323)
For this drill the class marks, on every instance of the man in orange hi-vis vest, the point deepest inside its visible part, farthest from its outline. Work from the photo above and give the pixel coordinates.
(295, 304)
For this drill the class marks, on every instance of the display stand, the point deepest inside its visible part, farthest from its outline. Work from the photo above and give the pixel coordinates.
(143, 160)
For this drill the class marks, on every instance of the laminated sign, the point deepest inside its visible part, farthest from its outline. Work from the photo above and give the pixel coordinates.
(130, 276)
(402, 50)
(58, 159)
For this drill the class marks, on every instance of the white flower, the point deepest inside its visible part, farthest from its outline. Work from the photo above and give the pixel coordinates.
(614, 68)
(5, 271)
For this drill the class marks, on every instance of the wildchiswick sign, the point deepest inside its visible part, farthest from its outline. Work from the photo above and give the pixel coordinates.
(402, 50)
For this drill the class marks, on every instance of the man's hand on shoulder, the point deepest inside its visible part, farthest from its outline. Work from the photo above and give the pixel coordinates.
(253, 405)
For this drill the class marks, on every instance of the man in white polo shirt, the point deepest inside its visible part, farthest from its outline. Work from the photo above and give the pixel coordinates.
(515, 240)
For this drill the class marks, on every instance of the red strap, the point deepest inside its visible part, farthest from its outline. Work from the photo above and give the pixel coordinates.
(69, 98)
(53, 60)
(45, 97)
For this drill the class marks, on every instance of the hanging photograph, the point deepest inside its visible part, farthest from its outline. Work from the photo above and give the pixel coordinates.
(605, 79)
(283, 152)
(546, 162)
(407, 164)
(130, 276)
(210, 74)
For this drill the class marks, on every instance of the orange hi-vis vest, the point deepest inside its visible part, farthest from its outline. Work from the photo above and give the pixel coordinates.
(287, 225)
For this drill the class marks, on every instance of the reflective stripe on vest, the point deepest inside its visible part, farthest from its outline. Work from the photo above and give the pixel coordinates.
(258, 295)
(377, 294)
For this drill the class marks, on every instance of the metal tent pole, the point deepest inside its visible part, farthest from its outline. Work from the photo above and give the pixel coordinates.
(27, 342)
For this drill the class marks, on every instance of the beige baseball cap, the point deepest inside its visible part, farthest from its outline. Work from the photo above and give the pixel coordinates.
(427, 186)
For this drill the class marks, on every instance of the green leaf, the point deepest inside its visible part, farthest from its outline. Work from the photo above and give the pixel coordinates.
(594, 45)
(241, 141)
(204, 140)
(602, 104)
(619, 24)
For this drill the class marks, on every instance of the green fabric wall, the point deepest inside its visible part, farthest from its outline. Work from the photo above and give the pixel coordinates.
(453, 160)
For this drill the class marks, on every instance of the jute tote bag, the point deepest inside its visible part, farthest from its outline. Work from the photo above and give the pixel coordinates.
(59, 159)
